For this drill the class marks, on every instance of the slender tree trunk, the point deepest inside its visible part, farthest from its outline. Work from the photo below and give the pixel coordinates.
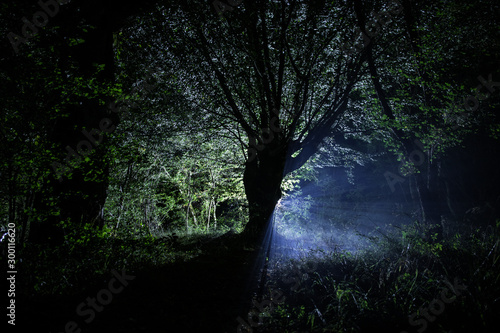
(209, 211)
(187, 210)
(215, 216)
(123, 189)
(426, 196)
(431, 201)
(192, 213)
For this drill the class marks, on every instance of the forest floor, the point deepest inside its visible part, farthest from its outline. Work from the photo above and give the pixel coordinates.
(204, 294)
(206, 283)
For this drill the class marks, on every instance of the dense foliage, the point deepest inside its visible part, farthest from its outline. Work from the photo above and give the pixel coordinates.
(172, 134)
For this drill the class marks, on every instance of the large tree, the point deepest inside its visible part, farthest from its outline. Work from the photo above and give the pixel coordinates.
(276, 74)
(280, 76)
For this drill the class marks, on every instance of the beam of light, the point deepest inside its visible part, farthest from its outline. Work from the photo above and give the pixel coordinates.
(301, 230)
(257, 277)
(321, 219)
(313, 222)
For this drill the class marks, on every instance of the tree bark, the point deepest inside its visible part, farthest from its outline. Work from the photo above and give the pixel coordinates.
(262, 180)
(80, 200)
(428, 198)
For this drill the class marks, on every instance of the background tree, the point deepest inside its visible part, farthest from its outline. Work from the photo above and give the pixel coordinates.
(418, 94)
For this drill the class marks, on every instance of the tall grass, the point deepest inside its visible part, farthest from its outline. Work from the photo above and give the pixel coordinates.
(394, 286)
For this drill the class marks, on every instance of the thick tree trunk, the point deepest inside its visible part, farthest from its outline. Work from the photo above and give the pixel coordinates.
(262, 179)
(76, 200)
(79, 199)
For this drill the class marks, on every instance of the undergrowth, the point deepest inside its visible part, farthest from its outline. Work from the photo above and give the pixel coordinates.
(405, 283)
(84, 258)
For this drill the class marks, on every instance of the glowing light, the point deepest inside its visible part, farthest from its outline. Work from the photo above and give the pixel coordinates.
(315, 223)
